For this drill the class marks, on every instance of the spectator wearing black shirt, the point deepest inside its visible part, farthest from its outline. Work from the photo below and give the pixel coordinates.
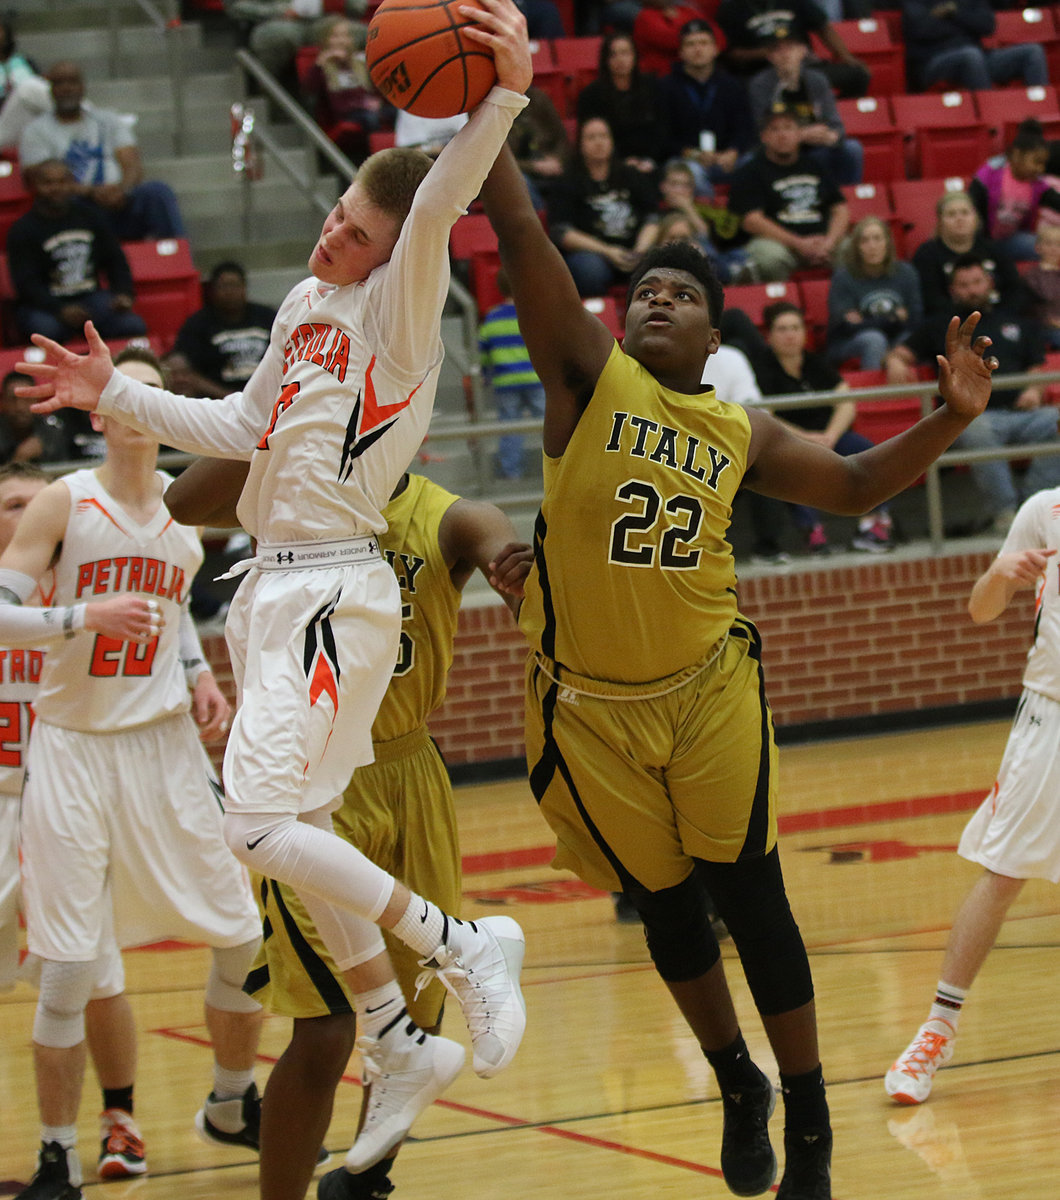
(958, 232)
(794, 211)
(750, 25)
(219, 346)
(627, 99)
(1013, 416)
(59, 252)
(599, 212)
(705, 110)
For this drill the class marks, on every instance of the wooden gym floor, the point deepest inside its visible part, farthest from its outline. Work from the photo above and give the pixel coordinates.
(610, 1096)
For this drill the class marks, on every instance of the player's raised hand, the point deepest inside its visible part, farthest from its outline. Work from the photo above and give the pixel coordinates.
(965, 369)
(209, 707)
(128, 617)
(66, 379)
(503, 31)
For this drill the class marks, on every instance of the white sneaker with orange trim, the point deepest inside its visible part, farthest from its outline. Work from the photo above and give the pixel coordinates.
(121, 1153)
(909, 1080)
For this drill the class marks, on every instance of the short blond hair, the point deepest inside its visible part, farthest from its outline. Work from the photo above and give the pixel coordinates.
(389, 179)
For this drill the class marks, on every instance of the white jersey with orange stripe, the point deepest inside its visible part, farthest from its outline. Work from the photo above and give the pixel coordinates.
(98, 684)
(342, 399)
(1037, 527)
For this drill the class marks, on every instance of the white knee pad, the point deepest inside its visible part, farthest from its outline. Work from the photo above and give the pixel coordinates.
(228, 970)
(64, 991)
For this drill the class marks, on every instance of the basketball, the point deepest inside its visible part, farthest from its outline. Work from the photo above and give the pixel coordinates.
(420, 59)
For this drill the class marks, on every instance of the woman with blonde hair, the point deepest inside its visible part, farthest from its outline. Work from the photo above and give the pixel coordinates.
(958, 230)
(874, 300)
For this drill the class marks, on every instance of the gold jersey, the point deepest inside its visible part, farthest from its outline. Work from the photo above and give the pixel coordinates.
(633, 576)
(429, 605)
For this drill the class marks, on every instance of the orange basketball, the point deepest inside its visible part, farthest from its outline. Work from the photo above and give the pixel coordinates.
(420, 59)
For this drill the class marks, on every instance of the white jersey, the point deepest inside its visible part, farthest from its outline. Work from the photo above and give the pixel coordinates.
(19, 676)
(729, 372)
(1037, 527)
(98, 684)
(342, 399)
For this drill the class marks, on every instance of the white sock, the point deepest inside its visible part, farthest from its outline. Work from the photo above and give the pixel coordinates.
(422, 926)
(227, 1085)
(66, 1136)
(379, 1008)
(949, 999)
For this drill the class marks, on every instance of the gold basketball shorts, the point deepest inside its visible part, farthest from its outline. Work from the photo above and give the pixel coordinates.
(639, 779)
(399, 812)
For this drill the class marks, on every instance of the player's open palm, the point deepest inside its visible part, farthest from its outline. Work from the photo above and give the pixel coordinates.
(129, 617)
(66, 379)
(965, 371)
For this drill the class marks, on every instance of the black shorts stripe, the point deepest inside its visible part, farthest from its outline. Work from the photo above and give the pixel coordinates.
(755, 842)
(327, 986)
(548, 634)
(552, 762)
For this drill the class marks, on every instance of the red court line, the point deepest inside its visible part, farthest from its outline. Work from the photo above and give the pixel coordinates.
(824, 818)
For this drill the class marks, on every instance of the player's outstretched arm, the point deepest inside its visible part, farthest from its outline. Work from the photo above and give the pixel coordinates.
(568, 346)
(66, 379)
(475, 536)
(791, 468)
(1006, 575)
(206, 493)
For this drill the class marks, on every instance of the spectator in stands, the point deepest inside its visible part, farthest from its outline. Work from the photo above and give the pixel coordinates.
(791, 81)
(218, 347)
(507, 370)
(1013, 193)
(58, 254)
(599, 212)
(338, 90)
(279, 28)
(23, 93)
(957, 233)
(789, 368)
(1013, 416)
(543, 19)
(944, 44)
(627, 99)
(657, 32)
(1043, 284)
(750, 25)
(874, 298)
(678, 192)
(794, 211)
(24, 436)
(98, 146)
(706, 116)
(539, 142)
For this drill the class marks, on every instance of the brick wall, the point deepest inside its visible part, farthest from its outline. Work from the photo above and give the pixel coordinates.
(885, 636)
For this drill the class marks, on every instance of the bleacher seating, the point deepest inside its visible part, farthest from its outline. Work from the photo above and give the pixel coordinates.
(869, 38)
(168, 289)
(948, 137)
(578, 58)
(813, 299)
(607, 309)
(1003, 109)
(871, 120)
(754, 298)
(874, 200)
(14, 198)
(915, 201)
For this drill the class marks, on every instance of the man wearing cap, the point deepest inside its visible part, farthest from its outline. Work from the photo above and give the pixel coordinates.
(793, 210)
(749, 25)
(794, 80)
(705, 109)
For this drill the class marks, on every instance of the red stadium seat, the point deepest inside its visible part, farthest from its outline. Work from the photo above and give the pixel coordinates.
(948, 135)
(579, 60)
(871, 121)
(382, 139)
(813, 300)
(1013, 27)
(168, 289)
(754, 298)
(874, 200)
(483, 275)
(879, 420)
(869, 38)
(15, 199)
(471, 233)
(1002, 110)
(915, 201)
(607, 309)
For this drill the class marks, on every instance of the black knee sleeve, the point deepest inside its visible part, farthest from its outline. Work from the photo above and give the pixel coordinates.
(677, 929)
(750, 898)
